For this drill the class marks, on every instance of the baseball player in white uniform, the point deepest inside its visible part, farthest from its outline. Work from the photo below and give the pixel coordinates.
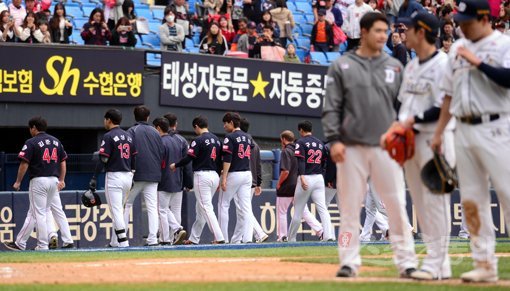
(356, 143)
(374, 213)
(421, 100)
(476, 85)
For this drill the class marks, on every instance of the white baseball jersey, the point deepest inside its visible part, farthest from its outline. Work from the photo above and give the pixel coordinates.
(473, 93)
(353, 16)
(420, 91)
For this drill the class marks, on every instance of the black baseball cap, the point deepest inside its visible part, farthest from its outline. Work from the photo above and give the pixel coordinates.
(425, 20)
(471, 9)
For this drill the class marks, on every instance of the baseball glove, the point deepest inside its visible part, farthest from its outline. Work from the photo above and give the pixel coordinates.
(90, 199)
(438, 176)
(399, 143)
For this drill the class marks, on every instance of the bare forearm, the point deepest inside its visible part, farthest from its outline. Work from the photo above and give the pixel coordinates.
(63, 171)
(226, 167)
(23, 167)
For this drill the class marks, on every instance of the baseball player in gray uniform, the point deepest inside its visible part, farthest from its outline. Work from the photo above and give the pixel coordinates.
(148, 171)
(476, 85)
(421, 100)
(365, 82)
(44, 158)
(256, 173)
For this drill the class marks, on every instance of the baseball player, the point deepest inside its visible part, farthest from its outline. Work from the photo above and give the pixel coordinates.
(476, 85)
(44, 158)
(374, 213)
(421, 101)
(117, 156)
(148, 171)
(310, 156)
(286, 187)
(205, 152)
(256, 172)
(170, 187)
(237, 147)
(365, 83)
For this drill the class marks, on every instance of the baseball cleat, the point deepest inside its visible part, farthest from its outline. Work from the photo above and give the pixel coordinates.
(12, 246)
(284, 239)
(480, 274)
(407, 273)
(151, 245)
(53, 243)
(67, 246)
(345, 272)
(179, 237)
(422, 275)
(218, 242)
(262, 239)
(165, 243)
(188, 242)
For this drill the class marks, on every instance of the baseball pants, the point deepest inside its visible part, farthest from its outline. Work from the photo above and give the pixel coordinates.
(205, 184)
(149, 191)
(483, 153)
(282, 206)
(170, 204)
(42, 191)
(330, 194)
(316, 190)
(238, 184)
(432, 211)
(374, 213)
(362, 162)
(257, 229)
(117, 185)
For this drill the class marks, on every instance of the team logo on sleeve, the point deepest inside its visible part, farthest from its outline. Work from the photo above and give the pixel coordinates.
(24, 147)
(193, 143)
(225, 140)
(102, 143)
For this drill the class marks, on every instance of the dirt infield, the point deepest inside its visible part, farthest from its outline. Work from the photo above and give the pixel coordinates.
(184, 270)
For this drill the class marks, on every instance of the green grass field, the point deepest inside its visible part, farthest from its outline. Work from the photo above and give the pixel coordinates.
(315, 254)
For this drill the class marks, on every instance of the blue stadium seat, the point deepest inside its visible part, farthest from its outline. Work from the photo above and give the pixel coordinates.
(193, 50)
(153, 60)
(303, 43)
(79, 22)
(301, 54)
(87, 8)
(310, 17)
(143, 11)
(319, 58)
(331, 56)
(74, 11)
(151, 41)
(299, 19)
(158, 14)
(154, 26)
(189, 43)
(304, 7)
(343, 48)
(306, 29)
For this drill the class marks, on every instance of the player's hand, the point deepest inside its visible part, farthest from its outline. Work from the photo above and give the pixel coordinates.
(337, 152)
(303, 183)
(468, 56)
(436, 142)
(278, 186)
(330, 185)
(172, 167)
(258, 191)
(409, 122)
(224, 184)
(61, 185)
(187, 189)
(16, 186)
(93, 184)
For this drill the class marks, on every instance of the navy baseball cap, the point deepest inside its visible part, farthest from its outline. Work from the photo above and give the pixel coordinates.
(422, 19)
(471, 9)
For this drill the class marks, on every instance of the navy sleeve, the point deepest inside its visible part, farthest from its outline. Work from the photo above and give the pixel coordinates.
(500, 76)
(429, 115)
(26, 152)
(227, 149)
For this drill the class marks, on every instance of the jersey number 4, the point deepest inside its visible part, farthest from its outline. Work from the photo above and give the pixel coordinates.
(124, 150)
(46, 155)
(314, 156)
(213, 154)
(244, 153)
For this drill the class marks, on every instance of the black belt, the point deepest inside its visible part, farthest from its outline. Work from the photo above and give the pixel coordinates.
(478, 119)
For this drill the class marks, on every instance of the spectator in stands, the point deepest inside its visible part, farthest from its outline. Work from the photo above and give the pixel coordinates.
(95, 31)
(448, 28)
(322, 34)
(183, 17)
(409, 7)
(391, 8)
(283, 16)
(235, 8)
(214, 42)
(18, 12)
(504, 11)
(290, 56)
(3, 7)
(227, 29)
(429, 6)
(30, 5)
(316, 6)
(213, 7)
(42, 33)
(6, 27)
(60, 27)
(266, 39)
(115, 12)
(171, 34)
(43, 15)
(123, 34)
(252, 9)
(128, 11)
(343, 5)
(242, 23)
(25, 32)
(399, 50)
(246, 42)
(267, 19)
(351, 22)
(446, 43)
(333, 17)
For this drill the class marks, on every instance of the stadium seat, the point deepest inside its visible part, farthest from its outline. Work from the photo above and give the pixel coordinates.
(79, 22)
(193, 50)
(331, 56)
(303, 7)
(144, 11)
(299, 19)
(87, 8)
(74, 11)
(303, 43)
(319, 58)
(189, 43)
(343, 48)
(151, 41)
(301, 54)
(154, 26)
(158, 13)
(306, 29)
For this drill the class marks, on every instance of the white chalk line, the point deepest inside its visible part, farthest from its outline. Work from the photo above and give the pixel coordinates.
(178, 262)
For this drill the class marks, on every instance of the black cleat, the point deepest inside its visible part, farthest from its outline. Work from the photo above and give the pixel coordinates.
(407, 273)
(179, 237)
(12, 246)
(345, 272)
(53, 243)
(67, 246)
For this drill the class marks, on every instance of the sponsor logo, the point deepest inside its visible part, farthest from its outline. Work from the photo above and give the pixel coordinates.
(345, 239)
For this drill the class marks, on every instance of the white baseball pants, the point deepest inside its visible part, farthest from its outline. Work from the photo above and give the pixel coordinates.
(362, 162)
(170, 204)
(117, 185)
(374, 213)
(282, 206)
(149, 191)
(330, 194)
(257, 229)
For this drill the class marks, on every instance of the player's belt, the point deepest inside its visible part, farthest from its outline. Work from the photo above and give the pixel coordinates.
(479, 119)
